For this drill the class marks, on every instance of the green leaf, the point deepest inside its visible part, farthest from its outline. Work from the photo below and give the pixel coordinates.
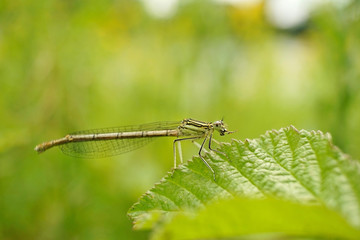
(298, 166)
(244, 217)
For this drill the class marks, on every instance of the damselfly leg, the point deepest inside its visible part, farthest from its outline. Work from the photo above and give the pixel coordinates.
(178, 141)
(206, 163)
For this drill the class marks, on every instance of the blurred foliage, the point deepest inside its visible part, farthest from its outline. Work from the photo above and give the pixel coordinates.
(72, 65)
(257, 219)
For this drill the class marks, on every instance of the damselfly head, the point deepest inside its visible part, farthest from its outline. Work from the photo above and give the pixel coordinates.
(220, 127)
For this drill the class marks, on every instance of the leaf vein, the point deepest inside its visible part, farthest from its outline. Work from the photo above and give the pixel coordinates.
(200, 174)
(248, 178)
(288, 170)
(167, 197)
(183, 187)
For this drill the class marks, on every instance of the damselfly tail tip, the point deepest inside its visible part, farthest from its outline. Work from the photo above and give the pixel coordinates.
(39, 148)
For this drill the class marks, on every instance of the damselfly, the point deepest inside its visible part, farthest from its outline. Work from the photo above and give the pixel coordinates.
(107, 142)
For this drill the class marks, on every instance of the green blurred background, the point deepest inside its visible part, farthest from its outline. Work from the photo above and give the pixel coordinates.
(75, 65)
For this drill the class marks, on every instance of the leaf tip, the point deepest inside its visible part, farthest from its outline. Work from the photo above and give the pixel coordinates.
(293, 128)
(329, 137)
(275, 131)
